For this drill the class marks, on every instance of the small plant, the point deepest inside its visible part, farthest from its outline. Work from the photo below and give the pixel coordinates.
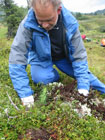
(43, 95)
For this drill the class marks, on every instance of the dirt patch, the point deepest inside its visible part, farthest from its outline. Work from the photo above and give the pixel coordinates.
(37, 134)
(84, 105)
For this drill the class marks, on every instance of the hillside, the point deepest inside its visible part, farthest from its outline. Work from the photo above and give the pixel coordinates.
(100, 12)
(94, 28)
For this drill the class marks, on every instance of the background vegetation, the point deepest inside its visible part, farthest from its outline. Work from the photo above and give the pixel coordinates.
(53, 117)
(12, 15)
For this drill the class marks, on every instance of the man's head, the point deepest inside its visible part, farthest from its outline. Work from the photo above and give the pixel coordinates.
(47, 12)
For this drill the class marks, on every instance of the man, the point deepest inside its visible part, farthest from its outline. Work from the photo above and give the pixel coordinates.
(49, 35)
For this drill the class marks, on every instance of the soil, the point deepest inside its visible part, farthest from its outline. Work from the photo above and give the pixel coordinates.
(95, 104)
(38, 134)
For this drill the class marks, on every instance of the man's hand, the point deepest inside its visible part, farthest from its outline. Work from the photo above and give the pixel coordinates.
(83, 92)
(28, 101)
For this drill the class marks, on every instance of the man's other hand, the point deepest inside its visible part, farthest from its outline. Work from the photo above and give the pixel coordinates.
(83, 92)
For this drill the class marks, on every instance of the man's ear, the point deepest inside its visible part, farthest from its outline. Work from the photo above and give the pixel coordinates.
(59, 10)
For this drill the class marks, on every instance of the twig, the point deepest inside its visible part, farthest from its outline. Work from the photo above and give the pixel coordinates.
(9, 117)
(12, 102)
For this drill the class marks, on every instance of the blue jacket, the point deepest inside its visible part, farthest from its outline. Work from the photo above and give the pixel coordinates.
(32, 45)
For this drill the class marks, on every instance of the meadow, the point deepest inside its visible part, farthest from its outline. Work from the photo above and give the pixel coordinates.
(62, 122)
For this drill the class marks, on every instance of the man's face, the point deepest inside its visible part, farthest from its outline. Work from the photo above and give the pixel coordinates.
(46, 16)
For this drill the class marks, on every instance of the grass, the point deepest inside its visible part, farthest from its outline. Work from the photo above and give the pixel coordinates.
(54, 117)
(96, 59)
(3, 30)
(96, 53)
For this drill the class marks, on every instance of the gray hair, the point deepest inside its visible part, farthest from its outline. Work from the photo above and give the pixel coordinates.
(56, 3)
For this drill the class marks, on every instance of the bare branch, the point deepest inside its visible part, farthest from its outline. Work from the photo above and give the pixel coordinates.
(12, 102)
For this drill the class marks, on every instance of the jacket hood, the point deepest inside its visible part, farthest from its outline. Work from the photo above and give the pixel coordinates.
(69, 20)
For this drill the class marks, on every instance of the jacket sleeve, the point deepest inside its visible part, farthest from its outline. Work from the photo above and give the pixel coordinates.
(79, 61)
(18, 61)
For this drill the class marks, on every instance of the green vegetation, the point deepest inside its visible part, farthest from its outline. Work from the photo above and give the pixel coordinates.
(3, 31)
(53, 117)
